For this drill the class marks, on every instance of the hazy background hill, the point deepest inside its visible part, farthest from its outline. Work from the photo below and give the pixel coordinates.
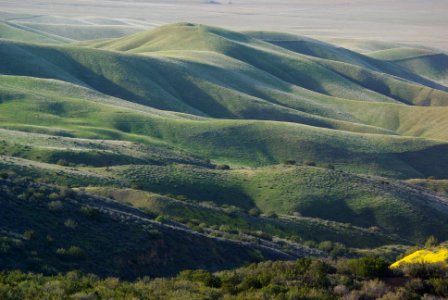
(422, 22)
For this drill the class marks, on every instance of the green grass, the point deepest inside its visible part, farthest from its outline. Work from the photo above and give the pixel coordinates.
(146, 119)
(77, 32)
(437, 186)
(209, 213)
(310, 191)
(59, 230)
(86, 114)
(18, 33)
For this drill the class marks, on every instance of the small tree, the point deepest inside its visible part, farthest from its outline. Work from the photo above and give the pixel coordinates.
(62, 162)
(29, 234)
(89, 211)
(161, 219)
(222, 167)
(328, 166)
(368, 267)
(254, 212)
(309, 163)
(70, 224)
(431, 241)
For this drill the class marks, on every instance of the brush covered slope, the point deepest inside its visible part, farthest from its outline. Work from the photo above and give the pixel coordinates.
(259, 145)
(59, 230)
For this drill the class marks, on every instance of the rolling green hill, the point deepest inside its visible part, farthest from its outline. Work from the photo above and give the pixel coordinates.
(17, 33)
(197, 146)
(263, 142)
(429, 63)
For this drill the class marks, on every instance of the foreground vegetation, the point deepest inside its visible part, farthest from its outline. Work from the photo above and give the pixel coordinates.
(366, 278)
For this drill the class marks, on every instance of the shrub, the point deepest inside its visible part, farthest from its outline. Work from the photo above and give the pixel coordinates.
(222, 167)
(439, 286)
(55, 205)
(254, 212)
(69, 223)
(253, 282)
(66, 193)
(368, 267)
(53, 196)
(272, 215)
(207, 278)
(309, 163)
(154, 234)
(161, 219)
(431, 241)
(62, 162)
(49, 239)
(73, 252)
(289, 162)
(275, 289)
(325, 246)
(328, 166)
(373, 289)
(423, 270)
(29, 234)
(340, 290)
(89, 211)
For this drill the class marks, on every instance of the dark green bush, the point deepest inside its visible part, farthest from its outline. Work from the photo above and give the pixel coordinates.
(309, 163)
(222, 167)
(254, 212)
(161, 219)
(368, 267)
(207, 278)
(89, 211)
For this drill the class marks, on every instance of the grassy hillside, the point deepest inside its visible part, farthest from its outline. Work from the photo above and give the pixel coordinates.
(207, 215)
(312, 192)
(263, 142)
(17, 33)
(289, 67)
(80, 32)
(190, 146)
(438, 186)
(59, 230)
(429, 63)
(56, 29)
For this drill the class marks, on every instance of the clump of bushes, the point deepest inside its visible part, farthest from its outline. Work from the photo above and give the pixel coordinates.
(306, 278)
(69, 223)
(222, 167)
(89, 211)
(254, 212)
(73, 252)
(366, 267)
(205, 277)
(161, 219)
